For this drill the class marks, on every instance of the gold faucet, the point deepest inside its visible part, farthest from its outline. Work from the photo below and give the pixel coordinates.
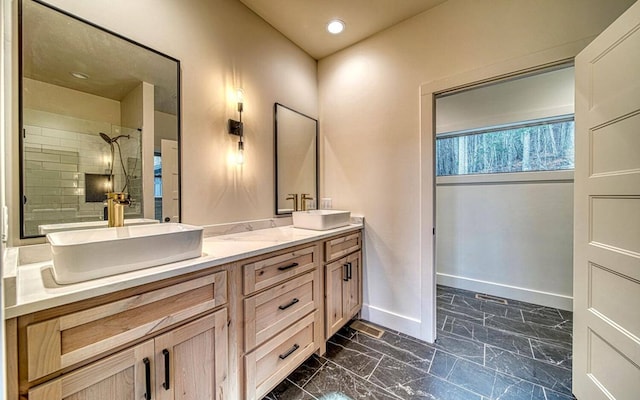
(294, 197)
(304, 199)
(115, 208)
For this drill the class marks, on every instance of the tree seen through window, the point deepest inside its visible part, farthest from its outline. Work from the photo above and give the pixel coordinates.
(545, 146)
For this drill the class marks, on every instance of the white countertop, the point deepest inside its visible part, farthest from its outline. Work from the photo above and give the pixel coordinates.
(36, 290)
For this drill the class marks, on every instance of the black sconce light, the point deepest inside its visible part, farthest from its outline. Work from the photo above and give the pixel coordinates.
(237, 128)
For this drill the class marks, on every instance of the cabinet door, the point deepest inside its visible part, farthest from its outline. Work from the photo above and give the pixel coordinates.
(352, 300)
(124, 376)
(343, 291)
(191, 361)
(336, 274)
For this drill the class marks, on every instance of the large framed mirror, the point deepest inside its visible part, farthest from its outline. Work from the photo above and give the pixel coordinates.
(296, 149)
(98, 113)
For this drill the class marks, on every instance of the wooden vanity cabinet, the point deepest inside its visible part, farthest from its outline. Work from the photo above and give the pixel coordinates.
(229, 332)
(174, 332)
(189, 361)
(282, 315)
(343, 281)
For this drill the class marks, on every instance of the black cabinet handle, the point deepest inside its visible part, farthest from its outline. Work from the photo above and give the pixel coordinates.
(165, 384)
(284, 307)
(286, 267)
(345, 272)
(349, 271)
(147, 378)
(289, 352)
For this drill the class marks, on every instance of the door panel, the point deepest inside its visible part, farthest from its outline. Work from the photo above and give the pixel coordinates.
(191, 361)
(606, 344)
(118, 386)
(170, 182)
(613, 371)
(621, 139)
(608, 290)
(119, 377)
(352, 293)
(334, 288)
(193, 367)
(615, 222)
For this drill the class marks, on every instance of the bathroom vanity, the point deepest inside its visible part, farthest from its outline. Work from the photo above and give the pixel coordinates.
(231, 324)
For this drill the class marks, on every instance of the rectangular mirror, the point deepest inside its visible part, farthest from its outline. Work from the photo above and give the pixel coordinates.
(296, 144)
(98, 113)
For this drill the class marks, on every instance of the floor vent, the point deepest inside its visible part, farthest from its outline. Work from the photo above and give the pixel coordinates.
(366, 329)
(494, 299)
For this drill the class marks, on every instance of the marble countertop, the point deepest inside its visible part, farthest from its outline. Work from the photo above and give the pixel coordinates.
(36, 290)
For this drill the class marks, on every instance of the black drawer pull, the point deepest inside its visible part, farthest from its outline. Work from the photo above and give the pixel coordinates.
(345, 272)
(284, 307)
(289, 352)
(165, 384)
(286, 267)
(349, 271)
(147, 378)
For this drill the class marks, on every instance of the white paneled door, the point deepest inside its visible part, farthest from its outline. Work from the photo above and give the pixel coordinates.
(170, 182)
(606, 344)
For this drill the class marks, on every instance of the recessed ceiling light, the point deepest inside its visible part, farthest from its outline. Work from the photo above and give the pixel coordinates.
(79, 75)
(335, 26)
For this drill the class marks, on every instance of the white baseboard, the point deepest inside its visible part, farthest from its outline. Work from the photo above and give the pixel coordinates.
(512, 292)
(388, 319)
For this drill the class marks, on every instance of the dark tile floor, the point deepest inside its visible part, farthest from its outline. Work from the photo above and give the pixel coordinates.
(484, 350)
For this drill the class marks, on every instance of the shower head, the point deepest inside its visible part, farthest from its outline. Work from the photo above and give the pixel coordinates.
(110, 140)
(106, 138)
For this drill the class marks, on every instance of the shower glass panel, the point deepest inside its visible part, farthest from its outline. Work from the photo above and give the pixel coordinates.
(62, 155)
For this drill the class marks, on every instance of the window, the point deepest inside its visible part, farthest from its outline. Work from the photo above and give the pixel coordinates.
(519, 123)
(533, 146)
(157, 176)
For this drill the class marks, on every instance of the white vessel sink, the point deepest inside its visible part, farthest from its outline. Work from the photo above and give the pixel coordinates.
(321, 220)
(75, 226)
(95, 253)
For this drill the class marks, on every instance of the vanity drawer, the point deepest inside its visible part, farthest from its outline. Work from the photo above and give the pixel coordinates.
(64, 341)
(272, 362)
(273, 270)
(271, 311)
(339, 247)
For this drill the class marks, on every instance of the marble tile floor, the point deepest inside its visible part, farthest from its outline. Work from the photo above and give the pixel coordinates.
(484, 351)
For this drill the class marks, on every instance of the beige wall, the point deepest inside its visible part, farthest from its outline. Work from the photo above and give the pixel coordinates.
(370, 128)
(132, 106)
(165, 128)
(535, 97)
(221, 45)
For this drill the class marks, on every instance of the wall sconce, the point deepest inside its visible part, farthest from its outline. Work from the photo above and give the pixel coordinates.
(237, 128)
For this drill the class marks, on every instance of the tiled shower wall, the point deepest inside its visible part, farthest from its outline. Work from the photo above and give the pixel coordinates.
(57, 152)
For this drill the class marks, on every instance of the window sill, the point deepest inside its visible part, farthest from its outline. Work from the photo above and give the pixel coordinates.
(563, 176)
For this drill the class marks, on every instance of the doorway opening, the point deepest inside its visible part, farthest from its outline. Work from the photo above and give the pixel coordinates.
(503, 187)
(504, 155)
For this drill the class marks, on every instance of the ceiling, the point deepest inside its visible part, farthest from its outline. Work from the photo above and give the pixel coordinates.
(56, 45)
(304, 21)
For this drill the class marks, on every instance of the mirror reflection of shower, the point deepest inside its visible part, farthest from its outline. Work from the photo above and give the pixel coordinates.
(113, 143)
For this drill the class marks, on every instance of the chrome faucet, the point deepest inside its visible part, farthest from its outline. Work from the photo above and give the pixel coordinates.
(294, 197)
(304, 199)
(115, 208)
